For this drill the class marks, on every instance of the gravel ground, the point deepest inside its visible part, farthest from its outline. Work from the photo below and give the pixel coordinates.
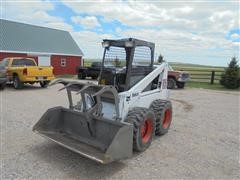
(203, 141)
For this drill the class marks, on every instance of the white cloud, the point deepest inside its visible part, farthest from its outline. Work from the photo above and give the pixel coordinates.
(185, 47)
(132, 13)
(20, 10)
(33, 12)
(88, 22)
(180, 29)
(118, 30)
(186, 9)
(223, 20)
(184, 15)
(235, 36)
(59, 25)
(90, 42)
(220, 15)
(237, 44)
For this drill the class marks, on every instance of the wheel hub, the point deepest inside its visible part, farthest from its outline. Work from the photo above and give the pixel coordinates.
(146, 130)
(167, 119)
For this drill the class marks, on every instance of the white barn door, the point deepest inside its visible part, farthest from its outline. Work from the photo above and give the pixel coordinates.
(44, 61)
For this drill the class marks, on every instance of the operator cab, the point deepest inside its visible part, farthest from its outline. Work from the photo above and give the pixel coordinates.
(132, 60)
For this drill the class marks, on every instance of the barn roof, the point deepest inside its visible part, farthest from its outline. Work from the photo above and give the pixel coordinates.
(25, 38)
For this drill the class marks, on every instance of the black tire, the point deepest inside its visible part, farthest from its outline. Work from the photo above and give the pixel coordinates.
(171, 83)
(17, 84)
(94, 77)
(180, 85)
(2, 86)
(81, 76)
(143, 120)
(44, 84)
(163, 113)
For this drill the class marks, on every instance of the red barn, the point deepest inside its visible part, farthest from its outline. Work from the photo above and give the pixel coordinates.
(47, 46)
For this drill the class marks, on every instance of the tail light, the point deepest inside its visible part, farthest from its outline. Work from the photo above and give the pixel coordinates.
(8, 72)
(25, 71)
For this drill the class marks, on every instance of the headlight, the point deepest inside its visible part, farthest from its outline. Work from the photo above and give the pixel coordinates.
(129, 44)
(103, 82)
(105, 44)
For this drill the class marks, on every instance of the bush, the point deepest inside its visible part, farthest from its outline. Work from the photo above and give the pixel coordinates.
(231, 78)
(160, 59)
(117, 62)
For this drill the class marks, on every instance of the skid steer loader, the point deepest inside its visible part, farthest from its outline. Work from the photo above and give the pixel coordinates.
(121, 114)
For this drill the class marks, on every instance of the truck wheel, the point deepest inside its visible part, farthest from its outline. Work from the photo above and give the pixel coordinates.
(163, 113)
(2, 86)
(17, 84)
(94, 77)
(44, 84)
(81, 76)
(180, 85)
(171, 83)
(144, 122)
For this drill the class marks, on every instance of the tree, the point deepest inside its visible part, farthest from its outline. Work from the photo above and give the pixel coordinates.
(160, 59)
(117, 62)
(231, 77)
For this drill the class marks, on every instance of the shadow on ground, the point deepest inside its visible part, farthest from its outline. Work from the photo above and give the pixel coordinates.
(72, 164)
(25, 87)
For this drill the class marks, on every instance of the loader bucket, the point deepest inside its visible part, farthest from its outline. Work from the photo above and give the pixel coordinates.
(107, 141)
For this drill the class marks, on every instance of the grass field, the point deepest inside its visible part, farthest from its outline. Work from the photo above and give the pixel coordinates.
(67, 76)
(194, 66)
(204, 85)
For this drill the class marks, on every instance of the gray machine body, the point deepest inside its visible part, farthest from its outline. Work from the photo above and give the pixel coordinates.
(95, 126)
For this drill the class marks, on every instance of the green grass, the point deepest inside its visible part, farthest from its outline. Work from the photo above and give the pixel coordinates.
(194, 66)
(87, 63)
(176, 66)
(66, 76)
(207, 85)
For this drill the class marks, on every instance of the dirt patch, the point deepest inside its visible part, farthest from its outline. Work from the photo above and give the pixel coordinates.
(186, 106)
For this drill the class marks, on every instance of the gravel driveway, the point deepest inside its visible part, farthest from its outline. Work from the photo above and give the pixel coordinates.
(203, 141)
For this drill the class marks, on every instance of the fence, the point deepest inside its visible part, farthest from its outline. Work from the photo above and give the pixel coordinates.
(198, 74)
(204, 75)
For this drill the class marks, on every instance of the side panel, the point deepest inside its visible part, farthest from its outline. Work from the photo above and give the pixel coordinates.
(135, 97)
(71, 63)
(39, 71)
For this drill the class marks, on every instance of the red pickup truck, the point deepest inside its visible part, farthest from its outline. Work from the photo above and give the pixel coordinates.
(177, 78)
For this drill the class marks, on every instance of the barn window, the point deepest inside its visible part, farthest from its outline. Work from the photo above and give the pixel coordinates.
(63, 62)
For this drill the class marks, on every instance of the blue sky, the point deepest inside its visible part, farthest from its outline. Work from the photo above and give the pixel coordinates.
(201, 32)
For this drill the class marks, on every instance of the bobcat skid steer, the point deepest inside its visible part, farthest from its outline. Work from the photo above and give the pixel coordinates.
(121, 114)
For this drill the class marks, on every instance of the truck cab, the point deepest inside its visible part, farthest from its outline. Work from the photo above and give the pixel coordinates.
(177, 78)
